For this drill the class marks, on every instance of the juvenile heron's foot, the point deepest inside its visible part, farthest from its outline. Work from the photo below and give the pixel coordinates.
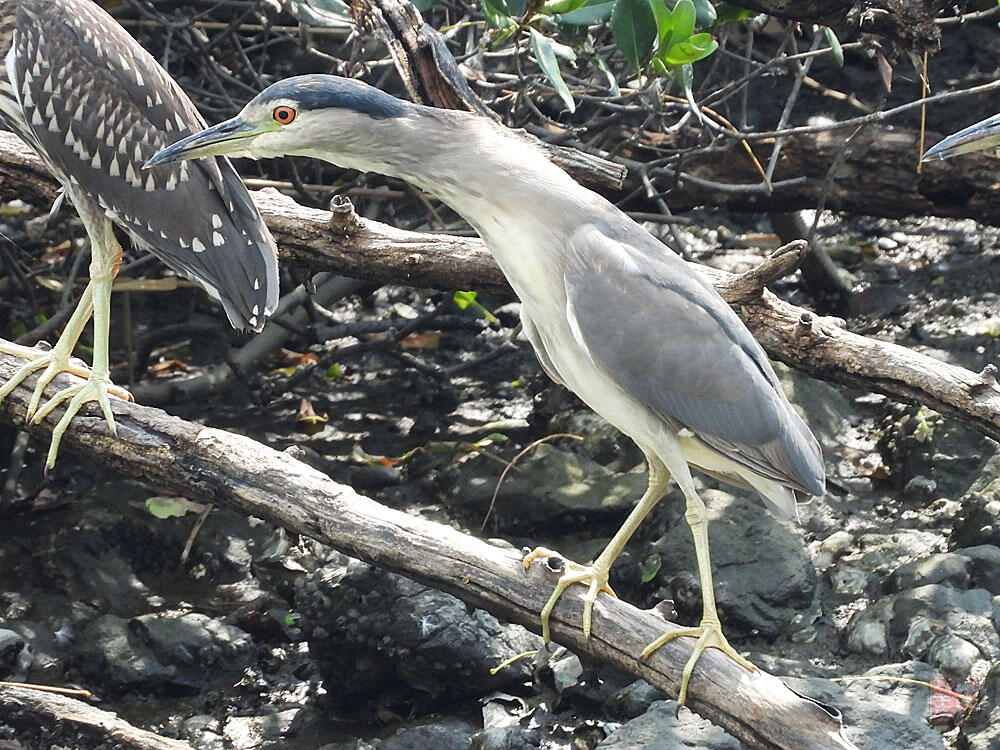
(596, 578)
(52, 362)
(96, 388)
(709, 635)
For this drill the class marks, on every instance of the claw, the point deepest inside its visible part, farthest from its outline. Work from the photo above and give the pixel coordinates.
(709, 635)
(596, 578)
(95, 388)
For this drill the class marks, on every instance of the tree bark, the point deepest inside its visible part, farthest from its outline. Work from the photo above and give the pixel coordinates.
(878, 176)
(908, 22)
(216, 466)
(25, 706)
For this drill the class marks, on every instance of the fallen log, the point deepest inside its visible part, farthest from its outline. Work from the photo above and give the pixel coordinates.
(215, 466)
(23, 706)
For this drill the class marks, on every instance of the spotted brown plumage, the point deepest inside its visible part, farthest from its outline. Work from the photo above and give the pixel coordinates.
(96, 106)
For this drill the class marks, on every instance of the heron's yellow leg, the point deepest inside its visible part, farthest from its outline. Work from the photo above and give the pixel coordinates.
(709, 631)
(97, 386)
(596, 575)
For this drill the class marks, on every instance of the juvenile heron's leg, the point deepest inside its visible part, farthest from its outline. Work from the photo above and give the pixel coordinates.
(709, 631)
(596, 575)
(106, 254)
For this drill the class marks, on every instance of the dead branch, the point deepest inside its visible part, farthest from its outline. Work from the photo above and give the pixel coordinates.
(23, 706)
(231, 470)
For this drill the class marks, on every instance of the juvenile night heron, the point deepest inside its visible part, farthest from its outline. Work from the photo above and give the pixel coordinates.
(95, 106)
(611, 312)
(984, 134)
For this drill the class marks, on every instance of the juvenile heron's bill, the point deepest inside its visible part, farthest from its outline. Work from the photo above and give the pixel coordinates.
(229, 138)
(982, 135)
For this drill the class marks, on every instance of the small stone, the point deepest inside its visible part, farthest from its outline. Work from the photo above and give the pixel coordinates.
(920, 486)
(954, 656)
(919, 638)
(849, 582)
(887, 243)
(868, 638)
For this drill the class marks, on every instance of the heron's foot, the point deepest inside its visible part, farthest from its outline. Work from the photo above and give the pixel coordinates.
(52, 362)
(709, 635)
(596, 579)
(95, 388)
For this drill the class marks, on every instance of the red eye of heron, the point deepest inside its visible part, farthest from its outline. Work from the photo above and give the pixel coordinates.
(283, 115)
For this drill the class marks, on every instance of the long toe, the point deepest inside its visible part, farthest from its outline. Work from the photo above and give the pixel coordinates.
(709, 635)
(596, 580)
(95, 389)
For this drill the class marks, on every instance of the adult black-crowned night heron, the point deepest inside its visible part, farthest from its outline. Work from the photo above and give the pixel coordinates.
(611, 312)
(982, 135)
(95, 106)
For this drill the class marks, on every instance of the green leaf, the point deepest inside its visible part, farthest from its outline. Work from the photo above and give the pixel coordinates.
(686, 52)
(681, 26)
(463, 299)
(590, 13)
(705, 15)
(634, 29)
(602, 65)
(650, 567)
(552, 7)
(334, 372)
(835, 48)
(172, 507)
(546, 51)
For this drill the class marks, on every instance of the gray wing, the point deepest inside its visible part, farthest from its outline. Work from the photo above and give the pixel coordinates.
(672, 343)
(98, 106)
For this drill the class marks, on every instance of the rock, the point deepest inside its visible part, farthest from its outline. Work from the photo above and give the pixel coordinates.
(868, 638)
(984, 566)
(11, 645)
(966, 614)
(247, 732)
(634, 699)
(183, 650)
(953, 656)
(651, 731)
(884, 715)
(105, 652)
(403, 636)
(763, 573)
(832, 548)
(943, 567)
(981, 728)
(444, 734)
(549, 484)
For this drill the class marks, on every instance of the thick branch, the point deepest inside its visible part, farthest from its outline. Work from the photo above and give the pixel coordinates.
(877, 177)
(242, 474)
(22, 706)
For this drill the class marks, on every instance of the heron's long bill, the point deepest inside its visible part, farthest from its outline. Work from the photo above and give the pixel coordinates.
(229, 138)
(985, 134)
